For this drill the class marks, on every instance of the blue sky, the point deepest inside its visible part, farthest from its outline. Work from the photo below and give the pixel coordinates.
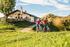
(42, 7)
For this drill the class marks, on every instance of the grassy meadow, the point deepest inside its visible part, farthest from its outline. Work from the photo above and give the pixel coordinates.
(34, 39)
(11, 37)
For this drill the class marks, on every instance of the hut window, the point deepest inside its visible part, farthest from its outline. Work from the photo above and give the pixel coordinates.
(21, 17)
(19, 14)
(15, 17)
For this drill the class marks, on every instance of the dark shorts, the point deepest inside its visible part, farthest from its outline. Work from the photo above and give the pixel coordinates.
(42, 25)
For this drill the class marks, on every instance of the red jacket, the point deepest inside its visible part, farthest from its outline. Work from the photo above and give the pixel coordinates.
(45, 21)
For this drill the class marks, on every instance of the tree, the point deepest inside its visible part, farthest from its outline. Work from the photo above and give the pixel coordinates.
(51, 15)
(6, 5)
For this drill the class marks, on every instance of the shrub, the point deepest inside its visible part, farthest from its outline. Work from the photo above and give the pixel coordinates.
(58, 22)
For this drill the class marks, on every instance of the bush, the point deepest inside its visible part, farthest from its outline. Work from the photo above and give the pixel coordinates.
(58, 22)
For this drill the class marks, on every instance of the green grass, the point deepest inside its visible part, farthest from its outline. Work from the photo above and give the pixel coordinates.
(4, 27)
(14, 38)
(33, 39)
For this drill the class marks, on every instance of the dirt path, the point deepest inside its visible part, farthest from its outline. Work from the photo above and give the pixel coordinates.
(27, 29)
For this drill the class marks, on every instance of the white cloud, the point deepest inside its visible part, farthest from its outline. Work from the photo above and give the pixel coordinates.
(66, 1)
(33, 1)
(49, 2)
(58, 5)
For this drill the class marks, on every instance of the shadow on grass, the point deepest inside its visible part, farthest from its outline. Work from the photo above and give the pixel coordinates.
(22, 24)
